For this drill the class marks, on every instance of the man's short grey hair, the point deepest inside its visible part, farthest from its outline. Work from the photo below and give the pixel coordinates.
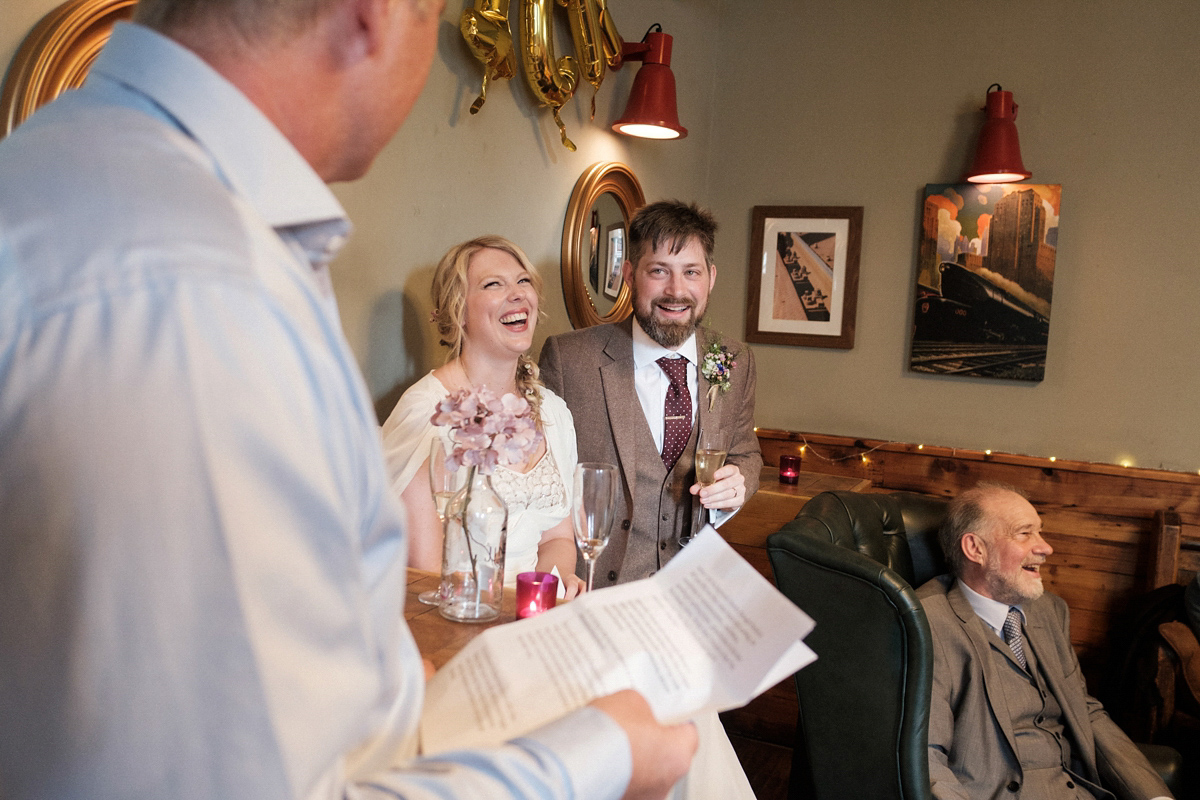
(255, 21)
(964, 515)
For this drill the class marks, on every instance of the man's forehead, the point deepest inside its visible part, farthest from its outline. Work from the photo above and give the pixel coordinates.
(1011, 511)
(671, 249)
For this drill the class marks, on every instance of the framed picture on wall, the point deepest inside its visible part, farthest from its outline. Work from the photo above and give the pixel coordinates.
(616, 258)
(985, 278)
(804, 275)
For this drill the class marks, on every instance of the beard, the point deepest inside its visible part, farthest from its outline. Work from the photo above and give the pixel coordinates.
(1015, 589)
(668, 334)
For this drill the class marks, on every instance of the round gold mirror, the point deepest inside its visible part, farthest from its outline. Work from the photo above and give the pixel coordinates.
(56, 55)
(594, 242)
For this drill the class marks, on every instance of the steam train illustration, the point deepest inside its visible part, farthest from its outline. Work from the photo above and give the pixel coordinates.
(971, 309)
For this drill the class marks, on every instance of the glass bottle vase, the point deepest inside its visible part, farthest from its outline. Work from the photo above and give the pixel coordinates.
(476, 533)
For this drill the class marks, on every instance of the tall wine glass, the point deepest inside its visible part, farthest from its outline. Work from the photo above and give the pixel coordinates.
(592, 511)
(441, 483)
(711, 450)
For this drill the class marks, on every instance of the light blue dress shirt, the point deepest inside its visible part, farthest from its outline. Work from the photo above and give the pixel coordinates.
(992, 612)
(201, 562)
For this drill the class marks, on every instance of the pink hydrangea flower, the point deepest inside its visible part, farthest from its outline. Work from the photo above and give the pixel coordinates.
(487, 430)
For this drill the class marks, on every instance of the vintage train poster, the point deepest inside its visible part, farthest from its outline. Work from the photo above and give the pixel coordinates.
(985, 280)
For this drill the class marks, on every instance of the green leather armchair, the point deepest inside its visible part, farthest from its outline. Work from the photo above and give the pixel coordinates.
(850, 561)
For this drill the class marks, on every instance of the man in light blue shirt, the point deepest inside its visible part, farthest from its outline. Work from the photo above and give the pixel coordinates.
(202, 565)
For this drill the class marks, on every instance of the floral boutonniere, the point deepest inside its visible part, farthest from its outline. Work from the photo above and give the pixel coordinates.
(717, 364)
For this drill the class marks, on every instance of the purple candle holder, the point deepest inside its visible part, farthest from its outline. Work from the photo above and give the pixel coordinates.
(789, 469)
(536, 592)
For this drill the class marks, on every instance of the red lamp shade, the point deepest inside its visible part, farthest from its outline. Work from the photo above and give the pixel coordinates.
(998, 156)
(651, 112)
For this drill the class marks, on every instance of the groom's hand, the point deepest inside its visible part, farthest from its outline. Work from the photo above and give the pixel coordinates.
(726, 493)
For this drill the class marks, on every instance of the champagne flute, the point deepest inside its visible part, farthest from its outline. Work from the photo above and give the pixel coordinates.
(711, 450)
(592, 511)
(441, 483)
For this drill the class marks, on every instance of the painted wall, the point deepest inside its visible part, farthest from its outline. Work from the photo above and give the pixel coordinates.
(860, 102)
(864, 102)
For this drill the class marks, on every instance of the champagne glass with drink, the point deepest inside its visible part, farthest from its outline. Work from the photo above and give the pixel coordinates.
(592, 511)
(441, 483)
(711, 450)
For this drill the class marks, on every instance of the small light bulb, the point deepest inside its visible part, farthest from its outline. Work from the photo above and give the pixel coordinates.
(803, 447)
(987, 452)
(1052, 458)
(864, 458)
(920, 447)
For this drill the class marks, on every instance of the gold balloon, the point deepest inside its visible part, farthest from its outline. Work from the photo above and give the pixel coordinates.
(485, 27)
(608, 33)
(585, 31)
(552, 80)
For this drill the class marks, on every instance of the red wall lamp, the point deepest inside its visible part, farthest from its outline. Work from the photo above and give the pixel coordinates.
(651, 112)
(998, 155)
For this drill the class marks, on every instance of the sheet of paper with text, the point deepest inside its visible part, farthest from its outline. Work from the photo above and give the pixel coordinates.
(707, 633)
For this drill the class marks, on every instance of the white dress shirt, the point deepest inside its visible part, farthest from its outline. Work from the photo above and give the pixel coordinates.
(652, 383)
(202, 566)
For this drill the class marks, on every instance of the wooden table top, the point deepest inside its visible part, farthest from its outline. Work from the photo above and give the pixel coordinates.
(438, 638)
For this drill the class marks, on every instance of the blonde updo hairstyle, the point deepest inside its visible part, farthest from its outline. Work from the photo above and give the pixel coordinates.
(449, 295)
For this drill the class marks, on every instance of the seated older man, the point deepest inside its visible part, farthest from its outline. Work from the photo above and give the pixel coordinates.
(1010, 715)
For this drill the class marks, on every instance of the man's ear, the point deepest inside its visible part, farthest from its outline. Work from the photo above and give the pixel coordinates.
(627, 273)
(367, 23)
(712, 276)
(974, 547)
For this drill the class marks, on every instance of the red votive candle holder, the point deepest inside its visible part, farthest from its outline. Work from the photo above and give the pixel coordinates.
(536, 592)
(789, 469)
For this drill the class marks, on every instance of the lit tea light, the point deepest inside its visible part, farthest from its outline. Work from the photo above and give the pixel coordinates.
(536, 592)
(789, 469)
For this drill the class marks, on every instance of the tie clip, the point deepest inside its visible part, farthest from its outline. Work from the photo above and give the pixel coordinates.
(679, 417)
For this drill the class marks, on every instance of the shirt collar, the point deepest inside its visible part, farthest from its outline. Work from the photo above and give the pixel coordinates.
(251, 155)
(993, 612)
(646, 351)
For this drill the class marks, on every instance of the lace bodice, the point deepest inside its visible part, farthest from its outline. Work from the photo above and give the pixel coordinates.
(540, 489)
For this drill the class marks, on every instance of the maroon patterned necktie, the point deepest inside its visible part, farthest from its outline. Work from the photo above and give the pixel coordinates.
(677, 410)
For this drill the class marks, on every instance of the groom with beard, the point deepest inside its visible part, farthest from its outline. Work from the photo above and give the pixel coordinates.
(638, 392)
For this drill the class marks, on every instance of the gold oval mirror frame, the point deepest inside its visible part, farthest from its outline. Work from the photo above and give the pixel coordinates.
(603, 178)
(56, 55)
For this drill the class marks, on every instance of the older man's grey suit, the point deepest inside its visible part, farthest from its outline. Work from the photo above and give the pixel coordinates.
(972, 747)
(592, 369)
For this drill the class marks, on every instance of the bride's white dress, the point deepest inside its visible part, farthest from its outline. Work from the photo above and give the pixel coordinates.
(538, 500)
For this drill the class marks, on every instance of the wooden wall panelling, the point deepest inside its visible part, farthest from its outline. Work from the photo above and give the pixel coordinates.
(1098, 517)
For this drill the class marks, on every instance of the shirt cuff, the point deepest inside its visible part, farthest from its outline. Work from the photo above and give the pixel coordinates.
(592, 749)
(717, 517)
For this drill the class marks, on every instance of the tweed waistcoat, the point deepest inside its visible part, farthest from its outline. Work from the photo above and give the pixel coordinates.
(1042, 740)
(666, 511)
